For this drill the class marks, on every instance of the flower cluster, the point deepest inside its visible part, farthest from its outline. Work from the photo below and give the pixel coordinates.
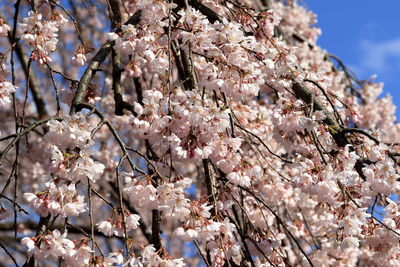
(62, 200)
(69, 142)
(6, 89)
(116, 225)
(54, 245)
(144, 45)
(150, 257)
(220, 125)
(70, 151)
(168, 197)
(41, 35)
(78, 59)
(219, 235)
(4, 28)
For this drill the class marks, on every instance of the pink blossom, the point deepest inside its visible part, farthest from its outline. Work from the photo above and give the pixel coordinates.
(4, 28)
(106, 228)
(6, 88)
(78, 60)
(40, 34)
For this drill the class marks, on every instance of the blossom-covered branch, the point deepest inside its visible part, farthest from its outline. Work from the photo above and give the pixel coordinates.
(187, 133)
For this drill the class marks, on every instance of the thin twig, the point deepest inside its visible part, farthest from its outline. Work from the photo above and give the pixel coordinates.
(89, 189)
(9, 254)
(14, 203)
(23, 133)
(279, 220)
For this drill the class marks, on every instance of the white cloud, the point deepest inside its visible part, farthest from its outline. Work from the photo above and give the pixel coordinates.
(379, 57)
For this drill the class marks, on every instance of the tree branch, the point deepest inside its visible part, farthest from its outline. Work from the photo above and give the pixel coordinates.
(95, 63)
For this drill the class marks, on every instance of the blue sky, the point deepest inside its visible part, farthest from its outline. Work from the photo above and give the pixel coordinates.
(365, 34)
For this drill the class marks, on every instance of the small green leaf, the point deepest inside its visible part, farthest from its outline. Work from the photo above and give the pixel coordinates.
(334, 129)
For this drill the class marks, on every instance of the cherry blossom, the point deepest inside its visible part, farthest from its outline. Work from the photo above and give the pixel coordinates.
(187, 133)
(4, 28)
(6, 88)
(41, 35)
(78, 60)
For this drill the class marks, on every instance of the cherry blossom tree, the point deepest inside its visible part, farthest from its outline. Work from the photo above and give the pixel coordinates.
(189, 133)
